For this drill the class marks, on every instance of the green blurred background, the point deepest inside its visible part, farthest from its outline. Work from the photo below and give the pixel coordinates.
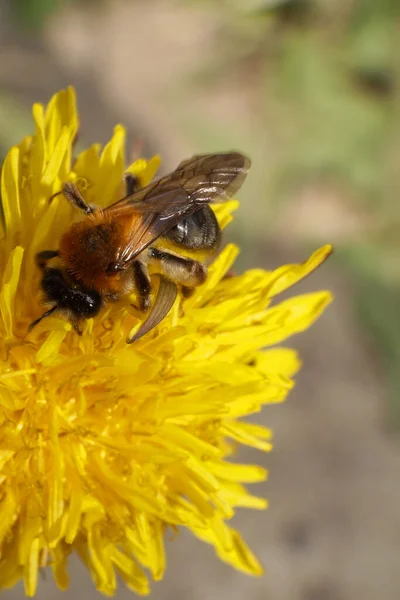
(310, 90)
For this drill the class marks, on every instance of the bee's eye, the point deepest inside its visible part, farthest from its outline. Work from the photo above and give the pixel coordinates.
(113, 267)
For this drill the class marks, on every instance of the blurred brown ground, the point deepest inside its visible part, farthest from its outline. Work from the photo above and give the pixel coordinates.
(332, 531)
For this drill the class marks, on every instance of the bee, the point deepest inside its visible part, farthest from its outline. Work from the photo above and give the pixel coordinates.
(167, 225)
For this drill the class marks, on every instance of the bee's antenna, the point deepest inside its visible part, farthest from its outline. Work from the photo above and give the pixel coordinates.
(74, 197)
(54, 196)
(45, 314)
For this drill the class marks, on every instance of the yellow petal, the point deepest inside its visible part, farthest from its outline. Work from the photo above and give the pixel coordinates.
(31, 568)
(53, 167)
(224, 211)
(282, 360)
(287, 276)
(74, 511)
(235, 472)
(249, 434)
(9, 289)
(10, 199)
(145, 170)
(59, 558)
(49, 350)
(108, 187)
(38, 152)
(132, 574)
(101, 561)
(60, 113)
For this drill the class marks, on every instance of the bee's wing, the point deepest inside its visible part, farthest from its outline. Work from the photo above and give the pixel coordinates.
(159, 206)
(147, 225)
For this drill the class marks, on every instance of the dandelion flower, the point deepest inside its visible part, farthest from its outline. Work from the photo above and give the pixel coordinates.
(104, 445)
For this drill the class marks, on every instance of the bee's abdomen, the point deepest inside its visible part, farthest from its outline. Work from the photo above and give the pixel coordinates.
(199, 231)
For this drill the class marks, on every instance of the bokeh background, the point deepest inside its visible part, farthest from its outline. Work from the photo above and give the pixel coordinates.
(310, 90)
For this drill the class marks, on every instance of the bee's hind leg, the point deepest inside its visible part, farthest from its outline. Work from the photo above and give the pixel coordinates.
(184, 271)
(142, 284)
(187, 291)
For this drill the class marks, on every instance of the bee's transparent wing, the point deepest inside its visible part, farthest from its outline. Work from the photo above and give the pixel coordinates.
(158, 207)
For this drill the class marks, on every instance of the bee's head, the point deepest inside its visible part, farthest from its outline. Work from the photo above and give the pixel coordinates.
(69, 296)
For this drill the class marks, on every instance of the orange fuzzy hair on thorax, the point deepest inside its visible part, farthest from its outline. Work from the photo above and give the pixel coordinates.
(89, 246)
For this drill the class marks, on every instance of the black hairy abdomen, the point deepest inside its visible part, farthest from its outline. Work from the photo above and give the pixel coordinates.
(199, 231)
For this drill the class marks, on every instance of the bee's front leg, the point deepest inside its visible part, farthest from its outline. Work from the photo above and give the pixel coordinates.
(142, 285)
(131, 184)
(43, 257)
(76, 327)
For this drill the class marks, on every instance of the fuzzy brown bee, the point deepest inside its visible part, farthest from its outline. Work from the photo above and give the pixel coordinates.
(167, 224)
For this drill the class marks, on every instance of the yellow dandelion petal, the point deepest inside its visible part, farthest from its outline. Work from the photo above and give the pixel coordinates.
(47, 222)
(233, 472)
(130, 571)
(38, 152)
(86, 171)
(145, 170)
(242, 557)
(283, 360)
(249, 434)
(10, 194)
(47, 352)
(101, 560)
(218, 269)
(59, 557)
(75, 508)
(288, 275)
(111, 169)
(237, 495)
(60, 150)
(230, 547)
(31, 568)
(108, 447)
(60, 113)
(9, 290)
(224, 212)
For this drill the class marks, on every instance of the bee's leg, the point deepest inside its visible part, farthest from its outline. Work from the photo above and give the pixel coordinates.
(43, 316)
(74, 197)
(142, 284)
(163, 302)
(54, 196)
(187, 291)
(131, 183)
(43, 257)
(76, 327)
(184, 271)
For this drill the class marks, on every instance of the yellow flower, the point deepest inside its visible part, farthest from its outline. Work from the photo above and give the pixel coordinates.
(104, 445)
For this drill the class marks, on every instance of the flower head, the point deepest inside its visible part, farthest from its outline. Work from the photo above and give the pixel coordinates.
(104, 445)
